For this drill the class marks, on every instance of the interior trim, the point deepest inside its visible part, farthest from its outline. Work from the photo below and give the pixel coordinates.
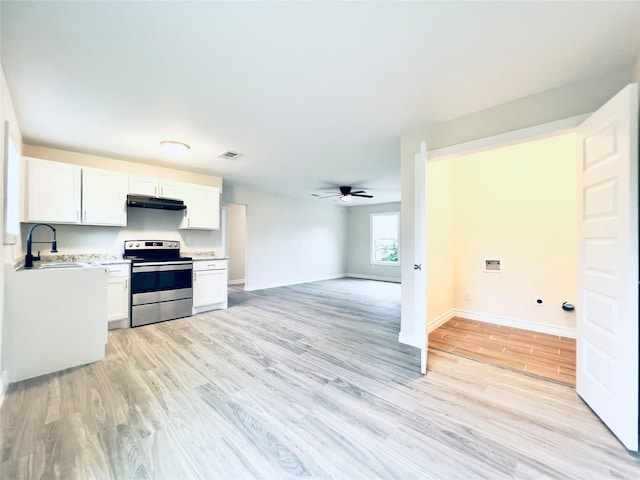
(543, 130)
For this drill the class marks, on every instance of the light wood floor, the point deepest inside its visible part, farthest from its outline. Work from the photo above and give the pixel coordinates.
(547, 356)
(300, 381)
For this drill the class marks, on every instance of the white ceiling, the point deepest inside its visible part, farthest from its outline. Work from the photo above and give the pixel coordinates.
(313, 94)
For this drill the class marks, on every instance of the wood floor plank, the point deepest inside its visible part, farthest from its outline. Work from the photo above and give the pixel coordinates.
(548, 356)
(301, 381)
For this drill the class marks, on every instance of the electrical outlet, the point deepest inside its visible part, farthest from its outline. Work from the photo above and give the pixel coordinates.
(187, 240)
(467, 295)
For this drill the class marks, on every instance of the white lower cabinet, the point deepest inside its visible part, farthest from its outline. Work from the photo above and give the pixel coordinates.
(55, 319)
(118, 298)
(209, 285)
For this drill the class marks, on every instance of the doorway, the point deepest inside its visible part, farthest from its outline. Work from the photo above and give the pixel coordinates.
(237, 243)
(504, 252)
(607, 329)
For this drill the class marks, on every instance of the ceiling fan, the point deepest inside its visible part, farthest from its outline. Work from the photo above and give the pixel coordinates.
(346, 194)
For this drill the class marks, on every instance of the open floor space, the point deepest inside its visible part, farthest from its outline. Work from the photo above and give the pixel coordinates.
(300, 381)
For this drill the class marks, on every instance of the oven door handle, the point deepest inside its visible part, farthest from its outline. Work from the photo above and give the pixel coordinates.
(161, 267)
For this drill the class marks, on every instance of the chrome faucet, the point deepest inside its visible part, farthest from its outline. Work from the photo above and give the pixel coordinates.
(29, 259)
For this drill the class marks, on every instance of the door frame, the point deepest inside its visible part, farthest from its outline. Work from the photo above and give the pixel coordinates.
(411, 327)
(420, 287)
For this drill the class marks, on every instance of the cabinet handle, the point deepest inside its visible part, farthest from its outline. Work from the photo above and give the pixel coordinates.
(77, 216)
(161, 191)
(85, 216)
(195, 275)
(126, 283)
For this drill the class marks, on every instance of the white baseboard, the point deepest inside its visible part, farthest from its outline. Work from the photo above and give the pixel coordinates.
(516, 323)
(409, 340)
(262, 286)
(441, 320)
(236, 282)
(380, 278)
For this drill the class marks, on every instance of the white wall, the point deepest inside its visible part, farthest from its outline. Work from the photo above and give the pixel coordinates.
(552, 105)
(108, 163)
(563, 102)
(440, 245)
(359, 244)
(290, 240)
(517, 204)
(7, 113)
(237, 242)
(142, 223)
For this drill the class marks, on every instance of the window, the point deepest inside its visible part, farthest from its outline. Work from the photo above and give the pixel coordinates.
(384, 238)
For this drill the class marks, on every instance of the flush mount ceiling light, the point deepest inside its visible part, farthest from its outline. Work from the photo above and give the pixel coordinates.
(346, 198)
(174, 148)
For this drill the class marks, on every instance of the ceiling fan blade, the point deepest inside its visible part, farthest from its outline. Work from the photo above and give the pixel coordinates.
(359, 191)
(360, 195)
(327, 196)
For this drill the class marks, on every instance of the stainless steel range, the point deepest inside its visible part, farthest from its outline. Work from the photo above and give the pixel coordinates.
(161, 281)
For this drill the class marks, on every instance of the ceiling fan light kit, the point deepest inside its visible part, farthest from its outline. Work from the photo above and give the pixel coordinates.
(346, 194)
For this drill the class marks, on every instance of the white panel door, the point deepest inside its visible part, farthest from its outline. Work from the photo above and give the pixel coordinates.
(420, 249)
(607, 322)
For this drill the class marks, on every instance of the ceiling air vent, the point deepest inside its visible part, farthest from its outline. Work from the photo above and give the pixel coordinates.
(229, 155)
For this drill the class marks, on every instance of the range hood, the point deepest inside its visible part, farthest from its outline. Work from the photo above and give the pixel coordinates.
(144, 201)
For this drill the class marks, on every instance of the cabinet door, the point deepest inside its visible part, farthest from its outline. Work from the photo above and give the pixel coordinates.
(203, 208)
(143, 185)
(169, 189)
(104, 197)
(209, 287)
(117, 298)
(52, 192)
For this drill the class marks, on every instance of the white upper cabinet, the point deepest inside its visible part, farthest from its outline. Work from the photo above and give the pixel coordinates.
(203, 208)
(52, 192)
(104, 197)
(63, 193)
(58, 192)
(155, 187)
(143, 185)
(170, 189)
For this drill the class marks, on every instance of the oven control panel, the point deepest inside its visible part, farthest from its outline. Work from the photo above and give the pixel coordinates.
(151, 245)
